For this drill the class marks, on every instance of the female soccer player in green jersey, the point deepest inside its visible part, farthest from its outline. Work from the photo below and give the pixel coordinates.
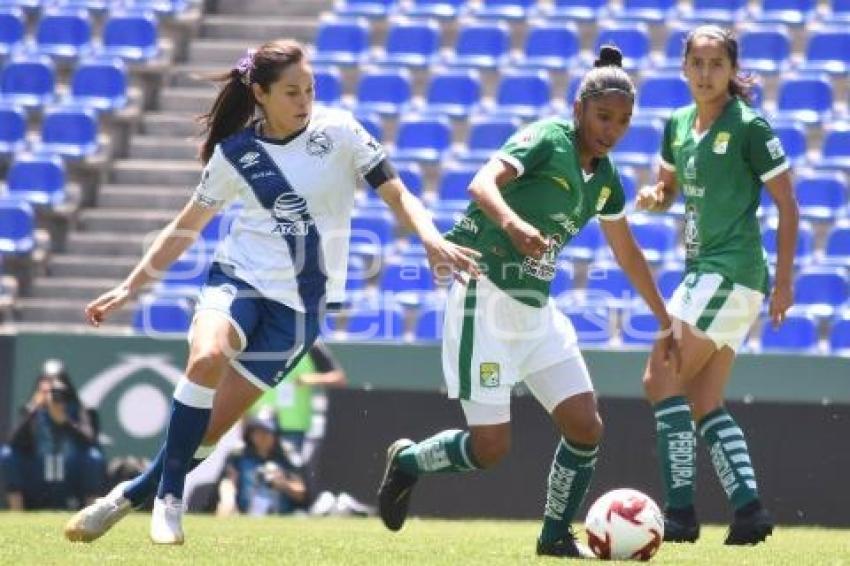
(719, 152)
(529, 200)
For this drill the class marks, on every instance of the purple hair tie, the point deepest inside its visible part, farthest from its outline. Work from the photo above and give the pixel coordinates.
(245, 65)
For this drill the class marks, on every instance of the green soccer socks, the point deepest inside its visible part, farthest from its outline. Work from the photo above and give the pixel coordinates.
(446, 451)
(676, 443)
(730, 457)
(569, 479)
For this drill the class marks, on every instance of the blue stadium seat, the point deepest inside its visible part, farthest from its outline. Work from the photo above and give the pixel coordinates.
(94, 7)
(454, 184)
(185, 275)
(442, 9)
(628, 178)
(838, 13)
(822, 288)
(837, 247)
(357, 274)
(365, 8)
(413, 43)
(526, 94)
(17, 226)
(608, 284)
(12, 30)
(669, 277)
(585, 245)
(631, 37)
(822, 195)
(344, 42)
(132, 36)
(486, 135)
(70, 131)
(655, 11)
(715, 11)
(806, 97)
(455, 92)
(161, 8)
(572, 89)
(371, 122)
(835, 151)
(423, 138)
(31, 7)
(165, 314)
(791, 12)
(504, 9)
(828, 49)
(662, 92)
(564, 279)
(792, 134)
(656, 236)
(28, 80)
(13, 128)
(382, 323)
(764, 48)
(429, 324)
(805, 241)
(798, 333)
(553, 46)
(100, 84)
(63, 33)
(407, 278)
(217, 228)
(674, 47)
(481, 44)
(38, 179)
(385, 91)
(371, 230)
(577, 10)
(839, 335)
(592, 323)
(328, 84)
(640, 327)
(640, 143)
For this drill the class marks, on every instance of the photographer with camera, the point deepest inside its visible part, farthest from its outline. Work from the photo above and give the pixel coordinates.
(52, 460)
(258, 478)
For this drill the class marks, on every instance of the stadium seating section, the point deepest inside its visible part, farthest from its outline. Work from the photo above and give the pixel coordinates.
(443, 83)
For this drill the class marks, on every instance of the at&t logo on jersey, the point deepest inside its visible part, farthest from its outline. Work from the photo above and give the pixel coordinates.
(289, 211)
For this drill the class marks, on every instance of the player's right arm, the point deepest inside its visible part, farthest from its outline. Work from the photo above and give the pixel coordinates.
(660, 197)
(169, 244)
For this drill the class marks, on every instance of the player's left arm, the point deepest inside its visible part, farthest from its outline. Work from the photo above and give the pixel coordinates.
(782, 297)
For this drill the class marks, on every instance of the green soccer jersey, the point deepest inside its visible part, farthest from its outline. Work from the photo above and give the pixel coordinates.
(553, 194)
(720, 174)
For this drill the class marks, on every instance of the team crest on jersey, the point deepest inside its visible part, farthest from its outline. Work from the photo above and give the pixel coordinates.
(604, 194)
(319, 143)
(249, 159)
(489, 372)
(721, 143)
(774, 147)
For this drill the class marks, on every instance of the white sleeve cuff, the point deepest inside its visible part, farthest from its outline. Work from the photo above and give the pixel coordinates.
(666, 166)
(612, 217)
(781, 168)
(513, 162)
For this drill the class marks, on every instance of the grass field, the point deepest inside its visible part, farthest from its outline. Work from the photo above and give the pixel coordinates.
(36, 538)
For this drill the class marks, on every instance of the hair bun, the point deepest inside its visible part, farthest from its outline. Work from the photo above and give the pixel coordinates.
(609, 56)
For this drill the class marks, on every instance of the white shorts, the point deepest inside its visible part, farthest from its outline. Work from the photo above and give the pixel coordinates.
(492, 341)
(721, 309)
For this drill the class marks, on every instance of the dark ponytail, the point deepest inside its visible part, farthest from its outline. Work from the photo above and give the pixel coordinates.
(235, 105)
(606, 76)
(741, 84)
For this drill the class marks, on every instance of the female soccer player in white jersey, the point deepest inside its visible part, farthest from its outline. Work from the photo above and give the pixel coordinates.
(719, 151)
(295, 171)
(529, 200)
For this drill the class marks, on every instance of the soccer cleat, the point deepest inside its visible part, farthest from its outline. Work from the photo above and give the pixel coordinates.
(565, 547)
(94, 520)
(396, 488)
(167, 521)
(751, 526)
(681, 525)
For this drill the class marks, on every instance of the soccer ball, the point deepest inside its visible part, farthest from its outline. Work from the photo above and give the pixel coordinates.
(624, 524)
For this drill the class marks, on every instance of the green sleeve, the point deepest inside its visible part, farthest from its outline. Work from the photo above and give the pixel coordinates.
(615, 205)
(667, 145)
(764, 151)
(527, 148)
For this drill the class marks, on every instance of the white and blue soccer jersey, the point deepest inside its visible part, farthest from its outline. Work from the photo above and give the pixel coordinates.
(323, 166)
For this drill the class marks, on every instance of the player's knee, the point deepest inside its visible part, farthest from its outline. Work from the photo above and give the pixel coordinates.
(490, 450)
(206, 365)
(586, 430)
